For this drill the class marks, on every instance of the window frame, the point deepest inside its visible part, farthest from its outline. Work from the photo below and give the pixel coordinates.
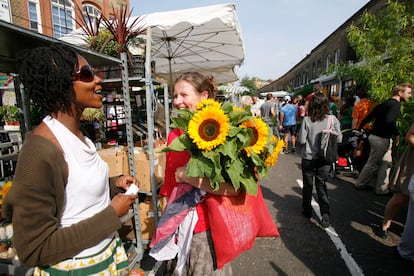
(66, 6)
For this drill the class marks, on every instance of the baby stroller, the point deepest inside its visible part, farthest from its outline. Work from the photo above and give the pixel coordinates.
(351, 153)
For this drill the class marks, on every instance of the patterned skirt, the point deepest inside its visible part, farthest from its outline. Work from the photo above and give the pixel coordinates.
(202, 258)
(112, 260)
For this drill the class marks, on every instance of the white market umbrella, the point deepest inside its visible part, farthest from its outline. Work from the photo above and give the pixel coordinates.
(206, 39)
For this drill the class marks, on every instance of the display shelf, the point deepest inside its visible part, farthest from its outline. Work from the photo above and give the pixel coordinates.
(10, 144)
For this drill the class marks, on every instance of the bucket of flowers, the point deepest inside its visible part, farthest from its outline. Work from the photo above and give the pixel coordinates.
(226, 144)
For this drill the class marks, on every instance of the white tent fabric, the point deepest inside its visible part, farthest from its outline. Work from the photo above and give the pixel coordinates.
(233, 89)
(206, 39)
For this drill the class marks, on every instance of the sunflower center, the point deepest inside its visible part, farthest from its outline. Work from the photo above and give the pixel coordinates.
(255, 137)
(209, 129)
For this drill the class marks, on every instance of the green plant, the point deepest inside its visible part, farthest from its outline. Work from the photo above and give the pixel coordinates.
(94, 115)
(10, 113)
(36, 114)
(103, 42)
(122, 30)
(2, 112)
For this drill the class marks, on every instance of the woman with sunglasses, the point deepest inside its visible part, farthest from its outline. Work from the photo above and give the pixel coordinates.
(63, 217)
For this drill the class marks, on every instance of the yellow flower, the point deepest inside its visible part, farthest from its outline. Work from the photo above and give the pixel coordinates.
(260, 133)
(272, 158)
(209, 127)
(235, 108)
(4, 190)
(208, 102)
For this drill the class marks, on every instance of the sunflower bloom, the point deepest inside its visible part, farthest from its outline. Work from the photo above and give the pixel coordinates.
(208, 102)
(209, 127)
(235, 108)
(260, 133)
(272, 158)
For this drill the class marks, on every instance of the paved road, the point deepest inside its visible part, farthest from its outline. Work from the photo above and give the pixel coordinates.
(349, 247)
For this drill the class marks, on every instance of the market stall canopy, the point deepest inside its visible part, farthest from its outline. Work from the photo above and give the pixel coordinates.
(14, 39)
(233, 89)
(206, 39)
(279, 94)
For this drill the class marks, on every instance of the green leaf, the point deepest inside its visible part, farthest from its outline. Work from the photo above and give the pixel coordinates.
(234, 173)
(233, 131)
(204, 167)
(229, 149)
(214, 156)
(200, 167)
(257, 160)
(181, 119)
(244, 136)
(227, 107)
(181, 143)
(250, 185)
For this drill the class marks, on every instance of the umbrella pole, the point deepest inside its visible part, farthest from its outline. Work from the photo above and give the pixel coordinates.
(170, 81)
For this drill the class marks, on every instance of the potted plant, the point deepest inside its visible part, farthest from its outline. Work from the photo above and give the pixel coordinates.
(10, 115)
(113, 35)
(95, 115)
(92, 122)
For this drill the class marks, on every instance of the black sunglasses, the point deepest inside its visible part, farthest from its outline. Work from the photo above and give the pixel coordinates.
(85, 74)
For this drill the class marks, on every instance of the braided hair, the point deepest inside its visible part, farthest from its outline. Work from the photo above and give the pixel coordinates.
(200, 83)
(47, 73)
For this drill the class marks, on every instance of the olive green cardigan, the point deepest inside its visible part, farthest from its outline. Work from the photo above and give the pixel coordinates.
(35, 203)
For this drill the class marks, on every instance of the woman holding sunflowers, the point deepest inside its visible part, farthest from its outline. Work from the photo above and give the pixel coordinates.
(200, 250)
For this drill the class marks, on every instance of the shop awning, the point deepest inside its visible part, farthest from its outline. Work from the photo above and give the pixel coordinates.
(14, 39)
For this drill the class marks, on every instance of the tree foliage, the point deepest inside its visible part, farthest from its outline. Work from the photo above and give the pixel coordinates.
(250, 84)
(384, 44)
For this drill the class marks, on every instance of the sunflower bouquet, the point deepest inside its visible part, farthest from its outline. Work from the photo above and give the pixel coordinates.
(226, 144)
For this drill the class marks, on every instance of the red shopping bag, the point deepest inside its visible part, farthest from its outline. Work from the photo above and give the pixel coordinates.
(235, 222)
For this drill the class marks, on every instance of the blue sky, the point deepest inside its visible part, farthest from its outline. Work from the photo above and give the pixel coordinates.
(277, 34)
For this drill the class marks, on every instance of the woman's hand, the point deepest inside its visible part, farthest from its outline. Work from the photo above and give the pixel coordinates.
(122, 203)
(180, 175)
(124, 181)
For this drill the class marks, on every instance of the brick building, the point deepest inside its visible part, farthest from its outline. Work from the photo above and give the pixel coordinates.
(334, 49)
(56, 17)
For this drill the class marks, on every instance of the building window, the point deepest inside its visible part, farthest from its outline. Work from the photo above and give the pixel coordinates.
(313, 70)
(93, 12)
(328, 62)
(34, 17)
(337, 56)
(319, 67)
(62, 16)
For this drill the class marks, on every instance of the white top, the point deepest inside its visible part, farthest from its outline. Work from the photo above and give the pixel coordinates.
(87, 188)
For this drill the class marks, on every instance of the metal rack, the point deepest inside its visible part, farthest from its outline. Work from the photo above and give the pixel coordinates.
(124, 83)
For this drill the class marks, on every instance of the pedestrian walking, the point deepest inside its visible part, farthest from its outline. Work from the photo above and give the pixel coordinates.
(406, 245)
(399, 184)
(288, 123)
(376, 171)
(314, 169)
(269, 111)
